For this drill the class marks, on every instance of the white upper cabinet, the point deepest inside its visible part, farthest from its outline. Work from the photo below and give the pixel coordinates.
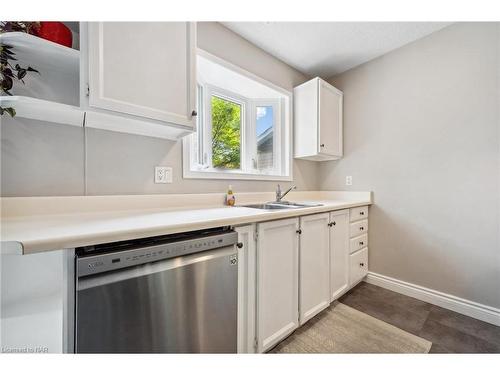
(143, 71)
(318, 121)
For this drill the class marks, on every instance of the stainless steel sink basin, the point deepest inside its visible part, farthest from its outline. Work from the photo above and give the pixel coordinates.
(280, 205)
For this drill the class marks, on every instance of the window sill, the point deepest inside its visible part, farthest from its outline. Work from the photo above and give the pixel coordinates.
(213, 175)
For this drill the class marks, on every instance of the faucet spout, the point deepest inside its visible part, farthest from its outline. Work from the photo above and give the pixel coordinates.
(279, 195)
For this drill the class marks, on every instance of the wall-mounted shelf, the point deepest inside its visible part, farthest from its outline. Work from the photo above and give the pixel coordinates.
(44, 110)
(60, 79)
(42, 54)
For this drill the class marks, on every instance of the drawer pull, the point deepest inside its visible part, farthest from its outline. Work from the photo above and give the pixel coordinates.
(322, 145)
(299, 231)
(361, 228)
(361, 243)
(332, 224)
(239, 245)
(361, 213)
(362, 264)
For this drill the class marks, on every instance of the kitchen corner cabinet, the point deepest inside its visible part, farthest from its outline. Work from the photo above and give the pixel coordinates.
(339, 253)
(318, 121)
(142, 75)
(314, 265)
(277, 281)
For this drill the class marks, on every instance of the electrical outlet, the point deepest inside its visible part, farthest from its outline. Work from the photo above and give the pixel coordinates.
(348, 180)
(163, 175)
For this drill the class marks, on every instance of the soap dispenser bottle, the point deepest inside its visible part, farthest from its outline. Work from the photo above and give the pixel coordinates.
(230, 198)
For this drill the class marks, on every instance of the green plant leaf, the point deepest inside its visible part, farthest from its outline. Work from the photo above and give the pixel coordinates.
(21, 73)
(8, 72)
(11, 111)
(7, 83)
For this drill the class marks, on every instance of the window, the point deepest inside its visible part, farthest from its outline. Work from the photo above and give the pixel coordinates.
(226, 132)
(242, 129)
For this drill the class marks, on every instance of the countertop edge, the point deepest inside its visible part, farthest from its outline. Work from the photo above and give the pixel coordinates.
(70, 242)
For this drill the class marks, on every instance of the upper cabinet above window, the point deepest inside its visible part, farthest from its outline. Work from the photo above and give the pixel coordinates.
(143, 72)
(318, 121)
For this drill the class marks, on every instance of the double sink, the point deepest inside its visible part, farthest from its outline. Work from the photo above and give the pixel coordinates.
(281, 205)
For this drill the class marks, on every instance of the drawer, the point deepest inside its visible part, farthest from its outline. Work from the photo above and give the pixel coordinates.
(358, 213)
(358, 266)
(358, 243)
(358, 228)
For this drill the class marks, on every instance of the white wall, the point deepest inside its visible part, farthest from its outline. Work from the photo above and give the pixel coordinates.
(421, 130)
(45, 159)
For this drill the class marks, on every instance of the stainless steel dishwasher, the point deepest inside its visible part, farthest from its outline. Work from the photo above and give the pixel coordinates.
(170, 294)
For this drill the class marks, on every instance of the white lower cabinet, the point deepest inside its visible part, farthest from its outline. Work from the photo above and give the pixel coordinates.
(246, 288)
(277, 281)
(339, 253)
(358, 266)
(358, 260)
(300, 265)
(314, 265)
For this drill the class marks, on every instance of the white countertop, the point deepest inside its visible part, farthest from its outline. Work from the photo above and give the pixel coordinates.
(40, 224)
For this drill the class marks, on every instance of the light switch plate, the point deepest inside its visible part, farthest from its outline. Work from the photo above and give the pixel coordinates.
(348, 180)
(163, 175)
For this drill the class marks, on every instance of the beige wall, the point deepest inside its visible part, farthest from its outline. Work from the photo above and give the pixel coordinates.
(421, 131)
(46, 159)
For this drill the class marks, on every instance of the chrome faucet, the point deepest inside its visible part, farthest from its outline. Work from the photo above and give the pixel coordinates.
(280, 196)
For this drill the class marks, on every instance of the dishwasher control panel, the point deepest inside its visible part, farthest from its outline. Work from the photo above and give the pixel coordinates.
(92, 264)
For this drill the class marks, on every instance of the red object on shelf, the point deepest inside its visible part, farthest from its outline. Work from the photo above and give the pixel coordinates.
(56, 32)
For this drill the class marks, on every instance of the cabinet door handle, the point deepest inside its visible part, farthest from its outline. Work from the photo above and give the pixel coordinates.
(194, 113)
(322, 145)
(361, 243)
(329, 224)
(298, 231)
(239, 245)
(361, 228)
(362, 264)
(361, 213)
(334, 223)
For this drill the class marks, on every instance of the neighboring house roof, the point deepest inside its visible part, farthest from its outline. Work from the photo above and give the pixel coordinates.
(265, 137)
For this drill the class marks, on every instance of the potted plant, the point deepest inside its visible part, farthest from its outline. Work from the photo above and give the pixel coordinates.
(9, 70)
(19, 26)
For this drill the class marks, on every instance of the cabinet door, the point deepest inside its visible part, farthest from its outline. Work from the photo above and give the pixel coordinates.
(330, 119)
(339, 253)
(314, 260)
(277, 281)
(144, 69)
(246, 288)
(358, 266)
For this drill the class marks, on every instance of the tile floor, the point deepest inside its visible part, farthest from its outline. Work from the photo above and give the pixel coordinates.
(449, 332)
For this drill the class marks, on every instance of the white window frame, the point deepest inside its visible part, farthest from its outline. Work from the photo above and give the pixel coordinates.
(208, 92)
(282, 152)
(252, 125)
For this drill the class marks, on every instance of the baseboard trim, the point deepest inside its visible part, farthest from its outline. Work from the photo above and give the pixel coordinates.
(475, 310)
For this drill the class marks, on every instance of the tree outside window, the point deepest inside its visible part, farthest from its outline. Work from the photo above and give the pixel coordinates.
(226, 133)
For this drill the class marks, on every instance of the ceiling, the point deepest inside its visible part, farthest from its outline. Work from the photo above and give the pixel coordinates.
(328, 48)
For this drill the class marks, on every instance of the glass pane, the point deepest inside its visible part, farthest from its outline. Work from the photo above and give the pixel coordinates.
(226, 131)
(265, 138)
